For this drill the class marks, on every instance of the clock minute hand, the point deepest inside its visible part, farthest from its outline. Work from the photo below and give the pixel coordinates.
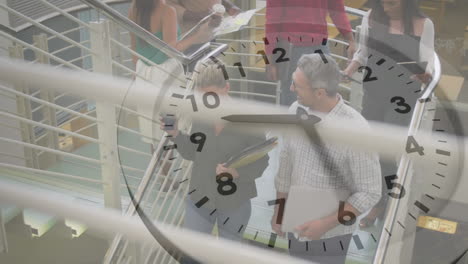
(270, 119)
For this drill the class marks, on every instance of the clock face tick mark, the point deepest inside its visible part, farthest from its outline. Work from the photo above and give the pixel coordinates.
(372, 235)
(421, 206)
(401, 224)
(432, 198)
(357, 241)
(212, 212)
(183, 181)
(442, 152)
(388, 232)
(192, 191)
(202, 201)
(412, 216)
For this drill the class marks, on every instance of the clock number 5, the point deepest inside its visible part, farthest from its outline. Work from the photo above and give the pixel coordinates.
(400, 101)
(225, 180)
(281, 202)
(390, 185)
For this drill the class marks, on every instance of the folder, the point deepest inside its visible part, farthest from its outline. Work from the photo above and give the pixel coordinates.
(251, 154)
(305, 203)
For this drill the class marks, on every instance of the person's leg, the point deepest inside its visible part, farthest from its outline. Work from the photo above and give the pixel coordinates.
(234, 228)
(329, 251)
(196, 220)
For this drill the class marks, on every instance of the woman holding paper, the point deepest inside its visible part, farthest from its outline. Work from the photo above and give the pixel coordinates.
(218, 193)
(396, 30)
(160, 19)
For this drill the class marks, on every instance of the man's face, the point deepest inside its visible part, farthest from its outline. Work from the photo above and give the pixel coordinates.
(215, 89)
(306, 95)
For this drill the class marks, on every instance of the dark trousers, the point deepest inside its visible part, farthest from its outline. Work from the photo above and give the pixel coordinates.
(286, 69)
(200, 220)
(327, 251)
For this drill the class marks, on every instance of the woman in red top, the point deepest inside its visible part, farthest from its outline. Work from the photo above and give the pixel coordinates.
(300, 27)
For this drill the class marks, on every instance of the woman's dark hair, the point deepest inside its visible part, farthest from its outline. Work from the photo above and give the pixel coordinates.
(143, 11)
(409, 9)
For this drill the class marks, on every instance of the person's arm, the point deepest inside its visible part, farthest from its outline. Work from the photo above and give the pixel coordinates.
(365, 185)
(426, 50)
(360, 56)
(273, 20)
(338, 14)
(131, 16)
(254, 170)
(282, 182)
(231, 8)
(203, 34)
(365, 181)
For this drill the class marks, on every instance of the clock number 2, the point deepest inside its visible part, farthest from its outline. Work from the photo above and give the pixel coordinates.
(400, 101)
(368, 77)
(225, 180)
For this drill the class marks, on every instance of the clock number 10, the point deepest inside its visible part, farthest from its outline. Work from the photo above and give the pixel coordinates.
(205, 100)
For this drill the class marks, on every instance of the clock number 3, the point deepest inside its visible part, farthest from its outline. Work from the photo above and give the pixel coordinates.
(225, 184)
(400, 101)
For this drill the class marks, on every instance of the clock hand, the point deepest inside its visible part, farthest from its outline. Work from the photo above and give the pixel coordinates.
(271, 119)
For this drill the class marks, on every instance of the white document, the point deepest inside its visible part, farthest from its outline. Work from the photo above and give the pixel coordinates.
(305, 204)
(231, 24)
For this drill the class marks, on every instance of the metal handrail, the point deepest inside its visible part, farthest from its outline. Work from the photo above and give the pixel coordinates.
(404, 165)
(147, 36)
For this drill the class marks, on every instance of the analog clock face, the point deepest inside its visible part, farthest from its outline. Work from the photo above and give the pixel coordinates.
(417, 184)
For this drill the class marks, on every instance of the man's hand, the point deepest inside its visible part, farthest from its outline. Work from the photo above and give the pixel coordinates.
(312, 230)
(272, 72)
(424, 77)
(275, 226)
(170, 129)
(234, 11)
(351, 50)
(221, 169)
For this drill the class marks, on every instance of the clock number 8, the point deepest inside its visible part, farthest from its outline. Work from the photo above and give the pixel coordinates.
(224, 181)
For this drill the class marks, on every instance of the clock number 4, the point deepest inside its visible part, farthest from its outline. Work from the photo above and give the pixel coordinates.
(413, 146)
(400, 101)
(390, 185)
(205, 101)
